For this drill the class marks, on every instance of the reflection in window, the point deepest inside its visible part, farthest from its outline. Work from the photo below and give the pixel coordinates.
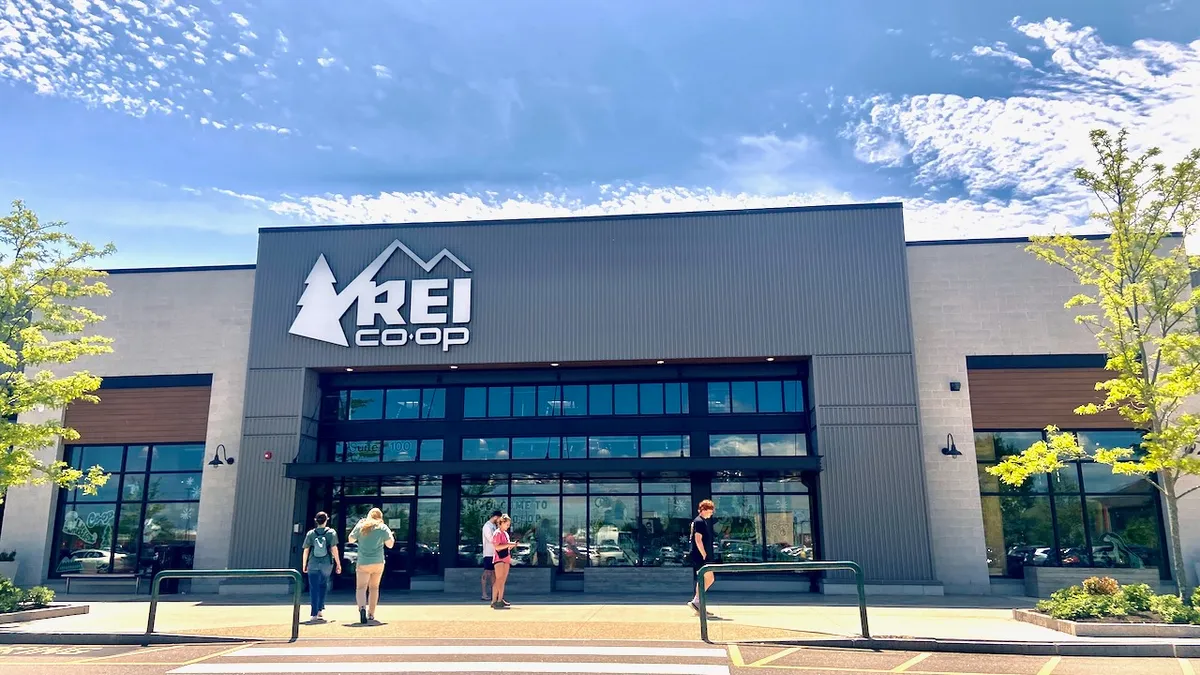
(366, 404)
(763, 396)
(524, 402)
(625, 399)
(535, 448)
(535, 527)
(600, 399)
(784, 445)
(733, 445)
(574, 534)
(1020, 526)
(788, 523)
(666, 524)
(485, 448)
(429, 530)
(361, 451)
(651, 399)
(549, 401)
(403, 404)
(718, 397)
(739, 529)
(499, 402)
(575, 399)
(613, 535)
(613, 446)
(665, 446)
(474, 402)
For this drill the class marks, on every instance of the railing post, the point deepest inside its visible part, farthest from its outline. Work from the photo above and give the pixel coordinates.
(292, 575)
(703, 607)
(860, 579)
(297, 585)
(154, 586)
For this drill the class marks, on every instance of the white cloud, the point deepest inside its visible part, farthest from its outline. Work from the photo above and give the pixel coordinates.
(1015, 155)
(326, 59)
(999, 50)
(382, 72)
(132, 56)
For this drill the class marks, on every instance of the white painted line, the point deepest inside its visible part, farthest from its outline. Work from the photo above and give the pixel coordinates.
(454, 667)
(478, 650)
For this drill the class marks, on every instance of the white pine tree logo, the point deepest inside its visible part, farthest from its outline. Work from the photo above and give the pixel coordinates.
(318, 317)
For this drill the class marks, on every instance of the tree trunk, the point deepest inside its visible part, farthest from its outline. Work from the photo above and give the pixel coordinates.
(1178, 567)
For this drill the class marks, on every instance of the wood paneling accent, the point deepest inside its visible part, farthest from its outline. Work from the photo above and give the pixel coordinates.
(152, 415)
(1034, 398)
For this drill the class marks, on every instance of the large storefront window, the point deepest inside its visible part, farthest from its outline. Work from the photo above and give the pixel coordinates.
(144, 518)
(384, 404)
(1082, 516)
(581, 447)
(766, 396)
(649, 398)
(576, 522)
(759, 521)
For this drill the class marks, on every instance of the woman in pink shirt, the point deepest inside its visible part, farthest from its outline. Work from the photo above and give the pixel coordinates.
(503, 561)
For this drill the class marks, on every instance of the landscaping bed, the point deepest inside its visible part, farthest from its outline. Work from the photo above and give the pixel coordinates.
(36, 603)
(1100, 607)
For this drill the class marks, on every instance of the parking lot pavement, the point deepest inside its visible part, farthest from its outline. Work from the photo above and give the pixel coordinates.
(779, 660)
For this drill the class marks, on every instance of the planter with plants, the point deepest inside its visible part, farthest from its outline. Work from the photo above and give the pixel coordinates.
(17, 604)
(8, 565)
(1101, 607)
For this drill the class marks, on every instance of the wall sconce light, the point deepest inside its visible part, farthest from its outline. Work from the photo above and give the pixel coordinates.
(955, 386)
(951, 450)
(218, 454)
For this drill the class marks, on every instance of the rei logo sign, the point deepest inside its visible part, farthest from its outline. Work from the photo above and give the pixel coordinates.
(392, 313)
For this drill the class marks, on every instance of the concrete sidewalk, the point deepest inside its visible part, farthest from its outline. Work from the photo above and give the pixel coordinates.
(742, 617)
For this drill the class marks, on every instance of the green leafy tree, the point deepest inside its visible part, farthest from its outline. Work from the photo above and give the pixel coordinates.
(44, 274)
(1141, 308)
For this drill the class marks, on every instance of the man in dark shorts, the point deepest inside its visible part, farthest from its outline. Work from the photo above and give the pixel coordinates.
(701, 552)
(489, 552)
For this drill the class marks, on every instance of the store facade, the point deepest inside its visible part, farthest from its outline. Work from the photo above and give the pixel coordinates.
(596, 378)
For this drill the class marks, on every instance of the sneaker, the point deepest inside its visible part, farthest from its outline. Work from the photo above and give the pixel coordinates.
(370, 617)
(487, 600)
(362, 614)
(694, 606)
(506, 603)
(321, 615)
(499, 605)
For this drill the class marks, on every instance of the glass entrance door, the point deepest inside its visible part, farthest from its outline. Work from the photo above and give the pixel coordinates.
(398, 514)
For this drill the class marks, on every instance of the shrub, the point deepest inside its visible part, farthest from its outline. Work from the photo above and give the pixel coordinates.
(10, 596)
(1196, 598)
(1137, 597)
(1076, 603)
(1101, 586)
(38, 596)
(1172, 610)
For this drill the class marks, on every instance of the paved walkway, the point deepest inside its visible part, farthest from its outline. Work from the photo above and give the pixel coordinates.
(419, 615)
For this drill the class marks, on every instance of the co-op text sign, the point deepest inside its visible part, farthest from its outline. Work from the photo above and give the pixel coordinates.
(389, 313)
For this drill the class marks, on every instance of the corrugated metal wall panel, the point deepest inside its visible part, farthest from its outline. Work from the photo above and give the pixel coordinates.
(885, 379)
(872, 500)
(694, 286)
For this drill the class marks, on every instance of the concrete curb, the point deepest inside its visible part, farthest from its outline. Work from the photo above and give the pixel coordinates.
(54, 611)
(1130, 648)
(116, 639)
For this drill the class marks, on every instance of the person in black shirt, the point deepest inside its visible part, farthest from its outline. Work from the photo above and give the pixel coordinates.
(701, 552)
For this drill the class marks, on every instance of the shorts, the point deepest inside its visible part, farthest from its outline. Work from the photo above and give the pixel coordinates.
(697, 563)
(489, 564)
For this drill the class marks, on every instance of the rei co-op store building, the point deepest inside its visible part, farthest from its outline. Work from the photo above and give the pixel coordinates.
(836, 391)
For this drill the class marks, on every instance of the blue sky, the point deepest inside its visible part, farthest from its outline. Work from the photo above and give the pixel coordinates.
(176, 128)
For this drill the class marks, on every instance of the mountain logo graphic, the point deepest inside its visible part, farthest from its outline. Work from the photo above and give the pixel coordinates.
(322, 306)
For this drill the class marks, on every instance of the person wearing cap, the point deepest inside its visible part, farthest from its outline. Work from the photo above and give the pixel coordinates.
(489, 556)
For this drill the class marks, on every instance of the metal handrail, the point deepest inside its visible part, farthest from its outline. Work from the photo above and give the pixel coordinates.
(297, 587)
(785, 567)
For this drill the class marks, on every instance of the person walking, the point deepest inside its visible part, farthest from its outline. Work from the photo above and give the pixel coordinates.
(503, 545)
(320, 560)
(373, 536)
(701, 552)
(488, 578)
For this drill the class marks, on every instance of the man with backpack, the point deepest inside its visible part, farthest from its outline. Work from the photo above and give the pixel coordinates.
(320, 560)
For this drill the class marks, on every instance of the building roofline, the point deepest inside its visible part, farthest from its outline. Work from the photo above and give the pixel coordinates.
(184, 268)
(574, 219)
(1010, 240)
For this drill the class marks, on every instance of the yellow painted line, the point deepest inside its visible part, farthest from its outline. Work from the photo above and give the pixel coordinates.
(903, 667)
(135, 653)
(735, 656)
(1050, 665)
(223, 652)
(774, 657)
(1186, 667)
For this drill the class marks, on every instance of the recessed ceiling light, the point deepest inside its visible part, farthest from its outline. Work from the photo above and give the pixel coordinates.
(770, 358)
(554, 365)
(453, 367)
(661, 362)
(349, 370)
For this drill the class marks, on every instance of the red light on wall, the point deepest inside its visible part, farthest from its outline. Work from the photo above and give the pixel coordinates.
(267, 455)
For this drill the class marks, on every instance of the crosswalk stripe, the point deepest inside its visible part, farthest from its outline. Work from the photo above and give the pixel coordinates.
(455, 667)
(488, 650)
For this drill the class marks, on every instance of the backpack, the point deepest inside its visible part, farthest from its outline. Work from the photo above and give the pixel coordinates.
(320, 543)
